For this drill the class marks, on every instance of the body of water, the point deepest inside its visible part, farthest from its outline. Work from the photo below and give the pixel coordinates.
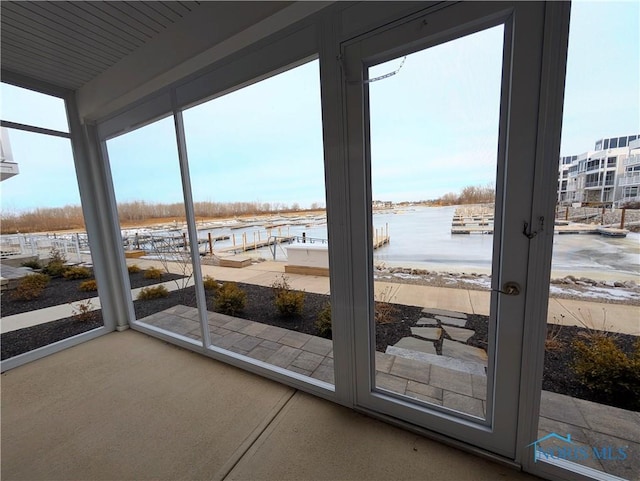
(421, 237)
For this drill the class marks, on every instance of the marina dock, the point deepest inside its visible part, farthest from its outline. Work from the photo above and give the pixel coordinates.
(590, 229)
(472, 220)
(477, 220)
(244, 245)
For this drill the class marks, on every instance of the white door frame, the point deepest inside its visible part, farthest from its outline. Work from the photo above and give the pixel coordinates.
(516, 161)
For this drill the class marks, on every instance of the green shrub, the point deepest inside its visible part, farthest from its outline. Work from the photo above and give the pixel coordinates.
(88, 286)
(230, 299)
(155, 292)
(33, 264)
(152, 273)
(210, 284)
(56, 266)
(133, 269)
(76, 272)
(288, 303)
(323, 321)
(30, 287)
(607, 371)
(55, 269)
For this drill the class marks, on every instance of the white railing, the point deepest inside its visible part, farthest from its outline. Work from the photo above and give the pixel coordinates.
(632, 160)
(625, 200)
(40, 245)
(629, 179)
(8, 169)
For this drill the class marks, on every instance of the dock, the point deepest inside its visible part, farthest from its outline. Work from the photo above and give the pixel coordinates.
(381, 237)
(472, 229)
(472, 220)
(590, 229)
(245, 245)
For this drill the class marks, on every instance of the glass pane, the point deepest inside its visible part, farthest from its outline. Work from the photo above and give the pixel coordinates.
(148, 187)
(25, 106)
(590, 408)
(256, 161)
(434, 139)
(50, 293)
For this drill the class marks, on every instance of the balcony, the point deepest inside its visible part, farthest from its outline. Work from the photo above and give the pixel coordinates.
(8, 170)
(633, 179)
(632, 160)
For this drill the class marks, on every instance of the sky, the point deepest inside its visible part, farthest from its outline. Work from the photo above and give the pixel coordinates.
(437, 115)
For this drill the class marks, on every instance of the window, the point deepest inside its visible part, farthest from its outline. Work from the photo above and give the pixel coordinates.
(28, 107)
(603, 260)
(42, 228)
(257, 170)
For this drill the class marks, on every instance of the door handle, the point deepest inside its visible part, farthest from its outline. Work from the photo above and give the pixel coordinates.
(509, 289)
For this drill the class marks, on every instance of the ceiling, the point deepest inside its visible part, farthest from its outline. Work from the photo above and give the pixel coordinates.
(70, 43)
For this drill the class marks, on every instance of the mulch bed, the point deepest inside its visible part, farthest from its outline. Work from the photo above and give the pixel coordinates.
(63, 291)
(558, 375)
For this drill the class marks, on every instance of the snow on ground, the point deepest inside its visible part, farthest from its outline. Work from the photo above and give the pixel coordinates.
(627, 294)
(597, 293)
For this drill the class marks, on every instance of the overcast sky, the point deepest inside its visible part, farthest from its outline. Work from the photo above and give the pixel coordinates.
(437, 115)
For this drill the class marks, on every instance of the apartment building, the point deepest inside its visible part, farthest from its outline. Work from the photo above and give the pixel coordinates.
(608, 175)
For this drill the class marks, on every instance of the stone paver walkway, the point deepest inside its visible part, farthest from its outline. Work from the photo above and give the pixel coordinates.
(313, 356)
(441, 341)
(592, 425)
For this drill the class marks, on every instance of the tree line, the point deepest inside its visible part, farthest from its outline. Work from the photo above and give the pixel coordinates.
(471, 194)
(49, 219)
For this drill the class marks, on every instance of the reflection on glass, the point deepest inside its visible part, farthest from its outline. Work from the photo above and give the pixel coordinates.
(434, 137)
(256, 163)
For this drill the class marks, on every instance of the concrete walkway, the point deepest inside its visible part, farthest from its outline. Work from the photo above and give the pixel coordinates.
(619, 318)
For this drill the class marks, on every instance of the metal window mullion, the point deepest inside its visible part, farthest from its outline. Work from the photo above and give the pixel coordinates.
(32, 128)
(191, 227)
(338, 212)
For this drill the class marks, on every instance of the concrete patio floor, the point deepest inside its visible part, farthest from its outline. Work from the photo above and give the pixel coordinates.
(127, 406)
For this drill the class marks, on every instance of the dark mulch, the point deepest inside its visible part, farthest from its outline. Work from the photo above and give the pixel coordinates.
(63, 291)
(30, 338)
(260, 308)
(558, 375)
